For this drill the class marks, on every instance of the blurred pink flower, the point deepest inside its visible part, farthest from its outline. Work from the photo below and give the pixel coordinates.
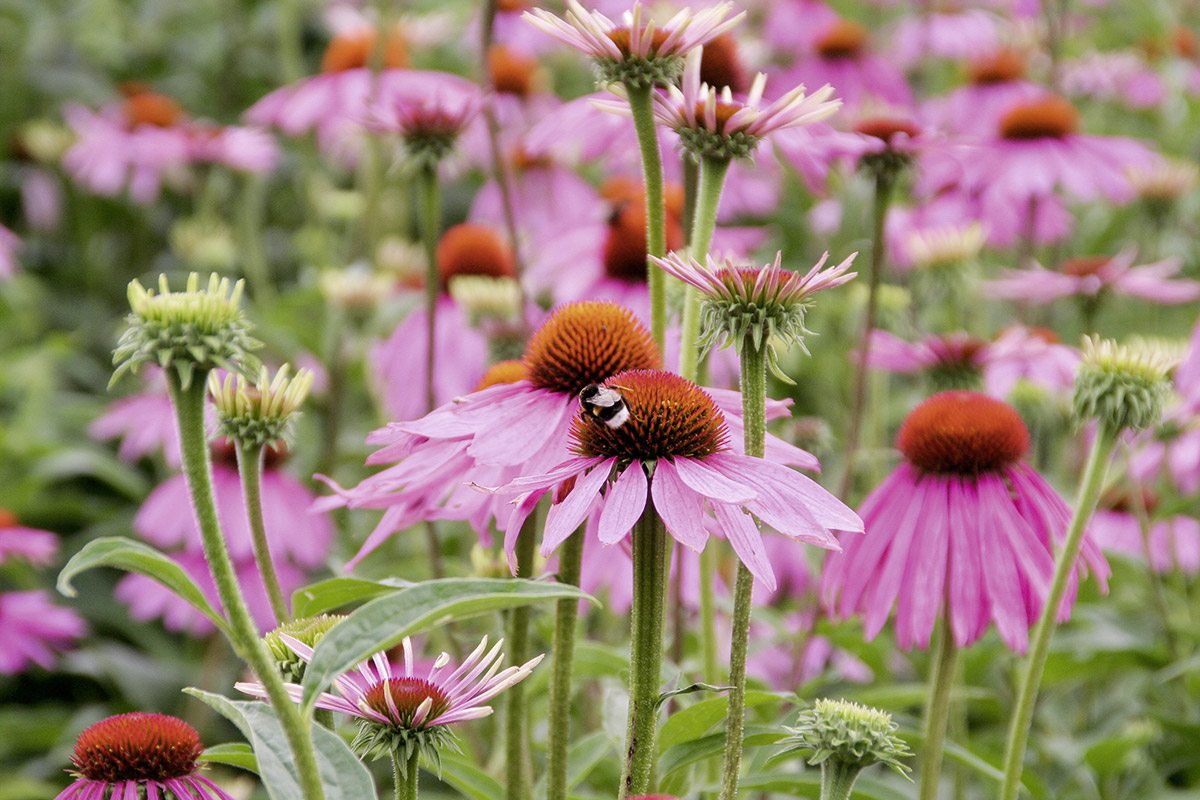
(952, 34)
(962, 529)
(1170, 544)
(31, 544)
(34, 630)
(10, 245)
(144, 422)
(1090, 275)
(1123, 77)
(997, 81)
(1032, 354)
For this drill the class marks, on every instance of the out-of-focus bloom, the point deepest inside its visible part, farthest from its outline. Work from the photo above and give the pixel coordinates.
(1124, 77)
(1124, 386)
(766, 304)
(1171, 543)
(636, 52)
(139, 754)
(1031, 354)
(1036, 152)
(953, 34)
(399, 710)
(10, 246)
(136, 144)
(951, 361)
(962, 529)
(943, 247)
(1089, 276)
(1161, 184)
(837, 53)
(144, 422)
(31, 544)
(428, 110)
(996, 81)
(335, 103)
(711, 123)
(674, 447)
(34, 630)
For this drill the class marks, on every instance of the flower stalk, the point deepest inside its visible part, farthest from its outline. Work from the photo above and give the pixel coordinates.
(566, 619)
(937, 710)
(754, 405)
(708, 198)
(404, 774)
(250, 467)
(431, 212)
(518, 765)
(189, 409)
(651, 562)
(1039, 649)
(641, 104)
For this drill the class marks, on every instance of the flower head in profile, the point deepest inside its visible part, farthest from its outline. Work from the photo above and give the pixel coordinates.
(259, 413)
(139, 755)
(762, 305)
(429, 110)
(1123, 385)
(637, 52)
(196, 329)
(1088, 277)
(962, 529)
(400, 711)
(711, 123)
(850, 734)
(671, 449)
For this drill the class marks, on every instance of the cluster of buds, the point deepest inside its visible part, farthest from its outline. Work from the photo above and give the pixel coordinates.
(308, 631)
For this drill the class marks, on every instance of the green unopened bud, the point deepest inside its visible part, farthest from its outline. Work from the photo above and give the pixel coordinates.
(204, 244)
(846, 738)
(1123, 386)
(486, 298)
(308, 631)
(196, 329)
(261, 413)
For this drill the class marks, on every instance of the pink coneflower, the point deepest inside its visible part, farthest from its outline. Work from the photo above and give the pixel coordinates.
(951, 361)
(962, 528)
(1035, 355)
(1089, 276)
(31, 544)
(995, 82)
(1171, 543)
(673, 450)
(139, 754)
(429, 111)
(34, 630)
(1038, 151)
(136, 145)
(838, 53)
(637, 48)
(334, 103)
(144, 422)
(10, 246)
(385, 698)
(1122, 77)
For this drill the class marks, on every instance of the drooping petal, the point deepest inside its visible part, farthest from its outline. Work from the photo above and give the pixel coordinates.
(681, 509)
(623, 504)
(743, 535)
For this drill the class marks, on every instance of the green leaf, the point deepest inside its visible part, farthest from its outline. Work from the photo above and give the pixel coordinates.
(309, 601)
(139, 557)
(385, 621)
(692, 689)
(684, 755)
(582, 758)
(235, 754)
(808, 784)
(461, 772)
(343, 776)
(697, 719)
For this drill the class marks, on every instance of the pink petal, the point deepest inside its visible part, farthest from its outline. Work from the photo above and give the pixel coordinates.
(623, 504)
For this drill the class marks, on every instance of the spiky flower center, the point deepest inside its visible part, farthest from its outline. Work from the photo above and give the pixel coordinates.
(720, 65)
(208, 309)
(1047, 118)
(509, 371)
(399, 698)
(963, 433)
(473, 249)
(588, 342)
(625, 243)
(843, 39)
(353, 50)
(723, 112)
(137, 747)
(622, 37)
(1002, 66)
(669, 417)
(512, 72)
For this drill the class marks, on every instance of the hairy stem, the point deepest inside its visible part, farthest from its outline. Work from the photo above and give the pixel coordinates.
(642, 106)
(1035, 662)
(189, 412)
(937, 711)
(250, 466)
(431, 213)
(518, 781)
(708, 197)
(566, 619)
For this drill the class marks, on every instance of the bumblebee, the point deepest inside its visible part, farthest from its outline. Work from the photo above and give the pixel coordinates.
(604, 404)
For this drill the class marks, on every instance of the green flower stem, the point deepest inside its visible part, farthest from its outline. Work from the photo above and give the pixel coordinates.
(884, 181)
(837, 779)
(691, 177)
(566, 619)
(287, 26)
(1035, 662)
(937, 712)
(642, 106)
(189, 411)
(708, 197)
(431, 217)
(651, 564)
(250, 465)
(518, 766)
(250, 239)
(754, 409)
(405, 778)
